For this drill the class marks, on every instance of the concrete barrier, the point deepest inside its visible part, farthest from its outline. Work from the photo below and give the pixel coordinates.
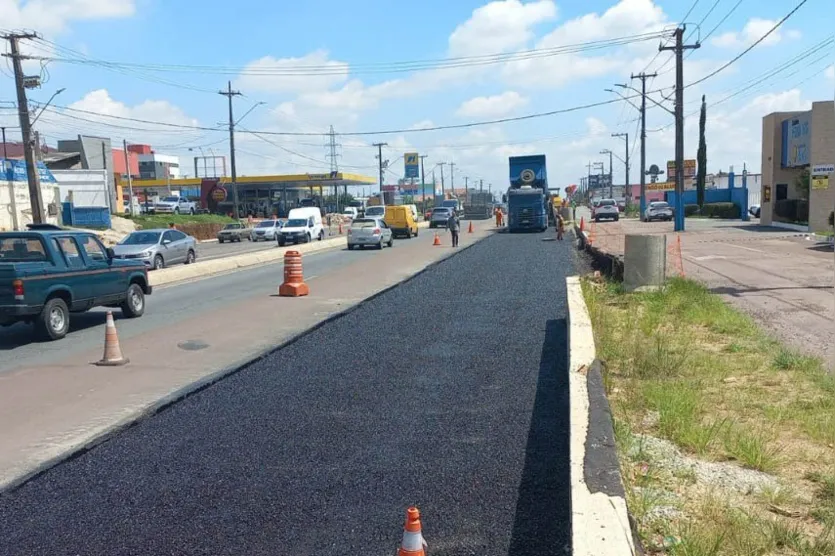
(600, 521)
(233, 262)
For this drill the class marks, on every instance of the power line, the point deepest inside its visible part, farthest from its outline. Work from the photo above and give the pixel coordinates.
(747, 50)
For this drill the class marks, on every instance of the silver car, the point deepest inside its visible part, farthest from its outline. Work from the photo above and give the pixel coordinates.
(158, 248)
(658, 210)
(369, 231)
(266, 230)
(439, 217)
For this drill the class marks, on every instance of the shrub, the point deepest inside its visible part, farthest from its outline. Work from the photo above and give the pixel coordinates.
(721, 210)
(690, 210)
(792, 210)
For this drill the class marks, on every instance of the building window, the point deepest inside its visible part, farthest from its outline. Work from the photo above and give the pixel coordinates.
(782, 192)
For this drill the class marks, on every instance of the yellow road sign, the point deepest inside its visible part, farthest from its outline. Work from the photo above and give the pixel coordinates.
(411, 158)
(820, 182)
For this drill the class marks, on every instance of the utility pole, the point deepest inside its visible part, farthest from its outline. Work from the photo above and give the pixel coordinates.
(130, 180)
(32, 175)
(443, 187)
(679, 49)
(423, 179)
(229, 93)
(380, 163)
(627, 190)
(611, 186)
(5, 152)
(643, 77)
(452, 177)
(588, 179)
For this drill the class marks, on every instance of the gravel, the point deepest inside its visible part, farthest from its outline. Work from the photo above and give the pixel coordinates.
(723, 475)
(449, 392)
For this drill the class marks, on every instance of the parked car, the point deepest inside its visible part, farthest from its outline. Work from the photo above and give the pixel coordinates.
(175, 205)
(233, 232)
(658, 210)
(754, 210)
(439, 217)
(606, 208)
(369, 231)
(157, 248)
(45, 275)
(266, 230)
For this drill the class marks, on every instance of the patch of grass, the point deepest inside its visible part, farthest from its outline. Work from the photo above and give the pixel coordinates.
(163, 220)
(684, 366)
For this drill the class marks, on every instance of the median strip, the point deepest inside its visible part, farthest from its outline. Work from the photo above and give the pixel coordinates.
(726, 438)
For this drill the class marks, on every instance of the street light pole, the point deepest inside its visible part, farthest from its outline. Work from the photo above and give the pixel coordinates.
(611, 187)
(627, 187)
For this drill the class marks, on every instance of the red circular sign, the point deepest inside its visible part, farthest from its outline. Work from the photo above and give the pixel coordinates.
(218, 194)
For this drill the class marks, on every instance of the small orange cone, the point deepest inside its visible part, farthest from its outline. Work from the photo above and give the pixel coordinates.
(437, 239)
(413, 542)
(112, 352)
(582, 224)
(294, 285)
(470, 229)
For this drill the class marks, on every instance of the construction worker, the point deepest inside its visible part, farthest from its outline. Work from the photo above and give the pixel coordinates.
(454, 226)
(560, 226)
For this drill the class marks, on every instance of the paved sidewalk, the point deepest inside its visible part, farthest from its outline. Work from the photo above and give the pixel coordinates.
(780, 278)
(52, 403)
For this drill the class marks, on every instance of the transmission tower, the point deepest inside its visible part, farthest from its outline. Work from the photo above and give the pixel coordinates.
(333, 150)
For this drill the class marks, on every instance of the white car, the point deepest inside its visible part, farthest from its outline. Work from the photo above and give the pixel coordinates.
(658, 210)
(175, 205)
(754, 210)
(369, 231)
(265, 230)
(606, 208)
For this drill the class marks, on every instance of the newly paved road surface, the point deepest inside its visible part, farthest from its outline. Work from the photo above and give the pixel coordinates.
(449, 391)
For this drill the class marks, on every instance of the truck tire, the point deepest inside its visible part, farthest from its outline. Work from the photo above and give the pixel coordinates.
(53, 322)
(134, 304)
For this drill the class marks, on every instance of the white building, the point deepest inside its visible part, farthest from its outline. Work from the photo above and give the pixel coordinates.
(155, 166)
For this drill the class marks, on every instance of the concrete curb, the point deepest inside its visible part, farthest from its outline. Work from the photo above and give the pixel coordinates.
(205, 382)
(606, 263)
(599, 518)
(202, 269)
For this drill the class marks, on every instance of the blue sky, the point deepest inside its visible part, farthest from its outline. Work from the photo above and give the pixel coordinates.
(350, 37)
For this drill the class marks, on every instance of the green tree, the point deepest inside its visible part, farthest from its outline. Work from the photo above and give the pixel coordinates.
(801, 184)
(701, 157)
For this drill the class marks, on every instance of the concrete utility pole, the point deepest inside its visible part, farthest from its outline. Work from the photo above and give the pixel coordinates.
(38, 216)
(380, 162)
(229, 93)
(130, 179)
(443, 187)
(452, 177)
(423, 179)
(679, 49)
(627, 190)
(5, 152)
(588, 178)
(611, 183)
(643, 77)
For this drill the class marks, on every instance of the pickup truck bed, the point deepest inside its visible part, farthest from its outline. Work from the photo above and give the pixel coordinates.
(46, 275)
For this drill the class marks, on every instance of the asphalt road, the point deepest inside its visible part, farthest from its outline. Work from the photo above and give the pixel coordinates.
(165, 306)
(449, 391)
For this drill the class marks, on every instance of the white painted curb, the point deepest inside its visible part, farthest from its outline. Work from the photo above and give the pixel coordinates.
(599, 523)
(234, 262)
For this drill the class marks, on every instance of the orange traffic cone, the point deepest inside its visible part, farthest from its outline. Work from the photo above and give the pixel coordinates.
(582, 224)
(413, 542)
(470, 229)
(437, 239)
(112, 352)
(293, 285)
(340, 228)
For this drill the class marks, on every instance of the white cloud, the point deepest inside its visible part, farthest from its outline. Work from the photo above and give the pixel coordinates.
(495, 106)
(500, 26)
(273, 75)
(830, 72)
(753, 31)
(53, 16)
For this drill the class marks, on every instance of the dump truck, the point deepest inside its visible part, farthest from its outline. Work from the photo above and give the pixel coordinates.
(527, 197)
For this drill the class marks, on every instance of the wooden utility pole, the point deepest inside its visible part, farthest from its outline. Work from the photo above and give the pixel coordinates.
(38, 216)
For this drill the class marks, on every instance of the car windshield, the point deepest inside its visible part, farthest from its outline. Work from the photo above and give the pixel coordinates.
(231, 227)
(141, 238)
(451, 204)
(171, 199)
(364, 223)
(661, 205)
(21, 249)
(607, 203)
(440, 211)
(266, 224)
(375, 210)
(296, 223)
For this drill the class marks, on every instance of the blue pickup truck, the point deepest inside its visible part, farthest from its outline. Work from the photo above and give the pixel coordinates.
(47, 273)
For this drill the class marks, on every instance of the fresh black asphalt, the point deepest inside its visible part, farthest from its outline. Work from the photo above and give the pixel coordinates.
(449, 392)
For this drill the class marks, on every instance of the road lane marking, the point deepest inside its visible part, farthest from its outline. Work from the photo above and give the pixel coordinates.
(746, 248)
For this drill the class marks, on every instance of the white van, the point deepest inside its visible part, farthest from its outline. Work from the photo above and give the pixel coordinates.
(302, 225)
